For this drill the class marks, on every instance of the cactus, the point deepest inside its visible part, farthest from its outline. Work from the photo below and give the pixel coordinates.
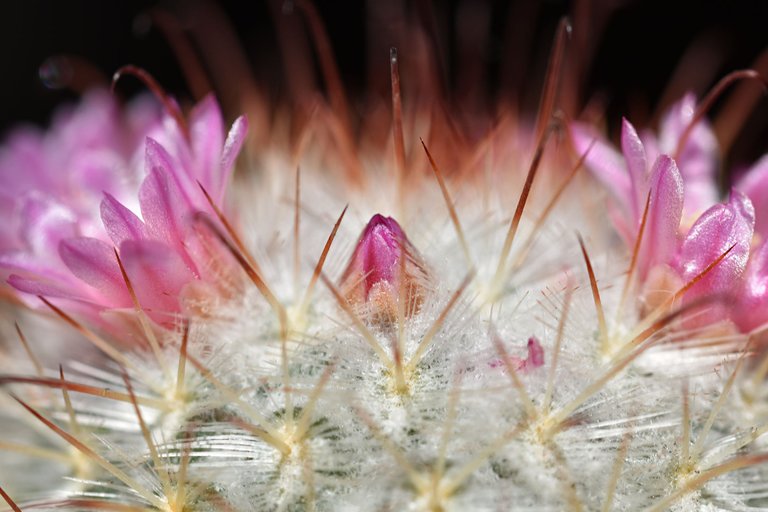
(485, 342)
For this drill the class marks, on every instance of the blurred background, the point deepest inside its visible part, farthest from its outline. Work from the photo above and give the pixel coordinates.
(636, 57)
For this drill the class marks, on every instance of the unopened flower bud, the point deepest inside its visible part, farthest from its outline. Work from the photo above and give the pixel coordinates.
(384, 269)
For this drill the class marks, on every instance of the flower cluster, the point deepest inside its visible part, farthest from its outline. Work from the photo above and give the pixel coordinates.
(73, 197)
(686, 237)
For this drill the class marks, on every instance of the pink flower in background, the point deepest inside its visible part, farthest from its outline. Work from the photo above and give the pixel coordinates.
(626, 174)
(630, 180)
(686, 231)
(754, 183)
(106, 179)
(698, 159)
(52, 182)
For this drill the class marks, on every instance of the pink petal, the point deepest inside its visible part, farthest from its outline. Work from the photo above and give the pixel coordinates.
(21, 261)
(94, 262)
(634, 154)
(24, 149)
(206, 134)
(651, 145)
(665, 209)
(120, 222)
(232, 146)
(606, 164)
(719, 228)
(166, 215)
(743, 205)
(158, 158)
(379, 251)
(755, 185)
(751, 309)
(36, 286)
(80, 303)
(158, 274)
(698, 159)
(162, 206)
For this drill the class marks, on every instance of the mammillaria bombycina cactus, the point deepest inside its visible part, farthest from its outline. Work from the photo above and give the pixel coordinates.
(358, 319)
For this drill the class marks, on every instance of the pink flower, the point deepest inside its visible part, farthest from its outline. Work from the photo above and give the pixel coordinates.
(682, 195)
(121, 185)
(52, 182)
(630, 180)
(383, 266)
(626, 174)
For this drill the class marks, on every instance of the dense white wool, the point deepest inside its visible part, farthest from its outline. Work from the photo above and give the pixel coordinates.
(460, 435)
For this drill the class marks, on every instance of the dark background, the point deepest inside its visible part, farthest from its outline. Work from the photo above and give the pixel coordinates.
(636, 53)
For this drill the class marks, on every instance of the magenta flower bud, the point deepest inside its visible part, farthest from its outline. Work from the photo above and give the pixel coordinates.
(535, 357)
(384, 267)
